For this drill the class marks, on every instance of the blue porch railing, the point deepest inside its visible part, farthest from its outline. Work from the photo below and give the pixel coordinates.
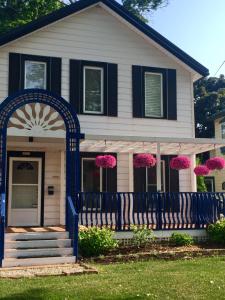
(72, 225)
(2, 227)
(159, 211)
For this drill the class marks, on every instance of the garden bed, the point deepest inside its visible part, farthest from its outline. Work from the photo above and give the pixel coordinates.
(158, 251)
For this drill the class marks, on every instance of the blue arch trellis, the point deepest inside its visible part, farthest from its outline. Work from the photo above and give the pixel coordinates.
(72, 125)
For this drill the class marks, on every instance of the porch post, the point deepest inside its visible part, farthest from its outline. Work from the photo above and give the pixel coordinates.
(131, 173)
(62, 189)
(192, 175)
(158, 169)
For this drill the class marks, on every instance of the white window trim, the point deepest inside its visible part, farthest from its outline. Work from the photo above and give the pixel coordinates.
(162, 108)
(102, 90)
(35, 62)
(222, 125)
(82, 173)
(163, 177)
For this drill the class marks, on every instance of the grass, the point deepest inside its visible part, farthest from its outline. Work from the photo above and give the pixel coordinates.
(154, 279)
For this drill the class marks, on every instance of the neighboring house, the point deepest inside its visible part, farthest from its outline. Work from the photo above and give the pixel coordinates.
(216, 182)
(125, 89)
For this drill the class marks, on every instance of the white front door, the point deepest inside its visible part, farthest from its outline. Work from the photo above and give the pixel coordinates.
(24, 197)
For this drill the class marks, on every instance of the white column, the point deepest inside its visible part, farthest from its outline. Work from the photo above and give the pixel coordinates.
(62, 189)
(158, 169)
(131, 173)
(192, 175)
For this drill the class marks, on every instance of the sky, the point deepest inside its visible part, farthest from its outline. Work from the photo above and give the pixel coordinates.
(197, 27)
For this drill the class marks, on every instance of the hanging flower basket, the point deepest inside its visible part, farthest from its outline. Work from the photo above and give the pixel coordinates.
(144, 160)
(180, 163)
(105, 161)
(201, 170)
(215, 163)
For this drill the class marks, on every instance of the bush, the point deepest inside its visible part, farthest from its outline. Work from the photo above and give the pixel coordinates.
(216, 232)
(181, 239)
(142, 235)
(95, 241)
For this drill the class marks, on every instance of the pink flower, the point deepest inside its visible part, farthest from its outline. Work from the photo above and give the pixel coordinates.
(144, 160)
(180, 163)
(105, 161)
(216, 163)
(201, 170)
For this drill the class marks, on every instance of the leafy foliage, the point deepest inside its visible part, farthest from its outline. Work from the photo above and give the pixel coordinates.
(141, 7)
(209, 99)
(201, 186)
(95, 241)
(181, 239)
(216, 232)
(142, 235)
(14, 13)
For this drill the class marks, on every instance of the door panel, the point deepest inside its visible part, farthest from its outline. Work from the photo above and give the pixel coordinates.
(24, 191)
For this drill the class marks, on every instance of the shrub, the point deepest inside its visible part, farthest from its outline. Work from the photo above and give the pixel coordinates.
(216, 232)
(181, 239)
(95, 241)
(142, 235)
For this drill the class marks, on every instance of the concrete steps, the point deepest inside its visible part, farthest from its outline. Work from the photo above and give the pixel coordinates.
(37, 248)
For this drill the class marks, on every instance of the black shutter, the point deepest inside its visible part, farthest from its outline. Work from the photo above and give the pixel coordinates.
(76, 85)
(110, 180)
(172, 176)
(14, 84)
(137, 86)
(172, 94)
(139, 179)
(56, 74)
(112, 95)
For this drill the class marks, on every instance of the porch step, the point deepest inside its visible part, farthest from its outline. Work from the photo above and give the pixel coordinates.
(33, 244)
(29, 253)
(24, 262)
(35, 248)
(36, 236)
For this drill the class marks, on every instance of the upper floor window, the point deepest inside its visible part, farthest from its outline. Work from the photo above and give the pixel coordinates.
(94, 87)
(153, 95)
(223, 130)
(93, 90)
(35, 75)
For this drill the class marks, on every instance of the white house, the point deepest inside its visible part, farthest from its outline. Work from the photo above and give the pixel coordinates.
(94, 65)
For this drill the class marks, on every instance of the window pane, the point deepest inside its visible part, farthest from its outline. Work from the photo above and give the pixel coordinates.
(152, 178)
(153, 95)
(25, 172)
(35, 75)
(24, 196)
(91, 176)
(93, 90)
(223, 130)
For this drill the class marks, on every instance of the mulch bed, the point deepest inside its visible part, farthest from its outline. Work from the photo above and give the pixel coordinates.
(158, 251)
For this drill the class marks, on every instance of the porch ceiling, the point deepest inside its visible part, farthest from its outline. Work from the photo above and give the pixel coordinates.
(137, 144)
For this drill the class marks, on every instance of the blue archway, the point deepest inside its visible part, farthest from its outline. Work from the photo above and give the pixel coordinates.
(72, 125)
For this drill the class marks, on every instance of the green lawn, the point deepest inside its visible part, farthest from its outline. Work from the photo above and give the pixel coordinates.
(155, 279)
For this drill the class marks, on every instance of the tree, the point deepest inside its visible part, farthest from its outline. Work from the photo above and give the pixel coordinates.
(209, 99)
(14, 13)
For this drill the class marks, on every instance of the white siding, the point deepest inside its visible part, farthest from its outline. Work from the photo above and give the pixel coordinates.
(96, 35)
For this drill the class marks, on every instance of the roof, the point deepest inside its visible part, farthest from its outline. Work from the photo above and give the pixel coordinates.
(118, 9)
(138, 144)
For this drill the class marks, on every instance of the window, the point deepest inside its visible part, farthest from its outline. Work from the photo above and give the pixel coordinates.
(91, 176)
(35, 75)
(151, 178)
(153, 95)
(223, 130)
(93, 90)
(210, 184)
